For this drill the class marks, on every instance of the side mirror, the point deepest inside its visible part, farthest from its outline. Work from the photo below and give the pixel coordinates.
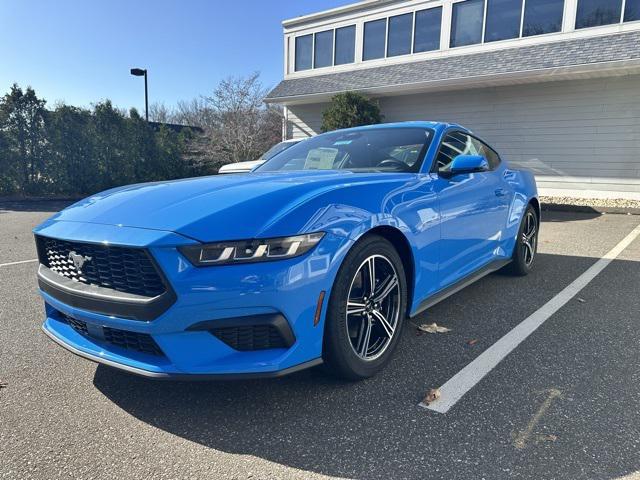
(469, 164)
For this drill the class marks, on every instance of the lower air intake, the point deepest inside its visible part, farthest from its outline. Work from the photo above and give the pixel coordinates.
(251, 337)
(139, 342)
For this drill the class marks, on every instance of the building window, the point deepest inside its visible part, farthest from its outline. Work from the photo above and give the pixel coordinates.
(592, 13)
(427, 30)
(542, 16)
(503, 20)
(631, 10)
(374, 39)
(400, 30)
(304, 48)
(326, 48)
(345, 45)
(323, 49)
(466, 23)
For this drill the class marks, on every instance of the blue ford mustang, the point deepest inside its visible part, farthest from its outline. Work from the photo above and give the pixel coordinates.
(317, 256)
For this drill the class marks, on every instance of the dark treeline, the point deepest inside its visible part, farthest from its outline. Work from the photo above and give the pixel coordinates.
(75, 151)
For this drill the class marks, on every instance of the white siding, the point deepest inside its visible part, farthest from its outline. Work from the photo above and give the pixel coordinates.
(304, 120)
(585, 131)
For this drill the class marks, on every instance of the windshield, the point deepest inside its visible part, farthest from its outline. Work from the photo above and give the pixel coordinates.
(371, 150)
(277, 148)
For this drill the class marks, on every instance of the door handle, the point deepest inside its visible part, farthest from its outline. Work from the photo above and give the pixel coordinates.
(501, 192)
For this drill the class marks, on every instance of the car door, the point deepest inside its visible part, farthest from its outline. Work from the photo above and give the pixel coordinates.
(473, 208)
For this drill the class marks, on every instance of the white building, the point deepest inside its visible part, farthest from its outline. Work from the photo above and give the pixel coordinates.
(554, 85)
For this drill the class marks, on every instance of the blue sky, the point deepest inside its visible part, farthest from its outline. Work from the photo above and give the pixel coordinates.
(80, 51)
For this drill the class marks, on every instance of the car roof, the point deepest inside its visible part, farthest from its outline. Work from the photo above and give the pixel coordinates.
(414, 124)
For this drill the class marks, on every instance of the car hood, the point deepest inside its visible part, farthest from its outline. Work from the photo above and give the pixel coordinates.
(233, 207)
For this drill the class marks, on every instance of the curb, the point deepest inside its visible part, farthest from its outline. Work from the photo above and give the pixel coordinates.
(565, 207)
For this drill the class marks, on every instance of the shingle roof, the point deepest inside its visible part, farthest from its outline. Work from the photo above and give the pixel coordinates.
(624, 46)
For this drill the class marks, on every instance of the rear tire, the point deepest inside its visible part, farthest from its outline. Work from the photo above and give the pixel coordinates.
(363, 329)
(526, 247)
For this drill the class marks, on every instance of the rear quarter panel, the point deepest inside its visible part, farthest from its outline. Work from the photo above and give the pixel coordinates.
(525, 190)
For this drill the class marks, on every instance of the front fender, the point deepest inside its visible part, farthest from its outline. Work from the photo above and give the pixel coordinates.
(407, 204)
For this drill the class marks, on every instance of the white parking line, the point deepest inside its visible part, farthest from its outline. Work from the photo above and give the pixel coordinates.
(469, 376)
(18, 263)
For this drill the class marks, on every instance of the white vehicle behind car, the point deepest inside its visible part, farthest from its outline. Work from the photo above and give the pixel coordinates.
(244, 167)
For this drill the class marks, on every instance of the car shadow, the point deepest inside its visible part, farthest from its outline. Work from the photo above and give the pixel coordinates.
(585, 213)
(374, 428)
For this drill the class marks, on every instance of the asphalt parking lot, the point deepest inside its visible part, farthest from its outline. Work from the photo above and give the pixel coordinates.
(563, 404)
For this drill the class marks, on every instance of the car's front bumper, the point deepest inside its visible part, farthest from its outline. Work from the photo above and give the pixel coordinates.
(203, 296)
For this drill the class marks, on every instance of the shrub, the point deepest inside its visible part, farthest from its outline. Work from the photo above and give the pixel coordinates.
(350, 109)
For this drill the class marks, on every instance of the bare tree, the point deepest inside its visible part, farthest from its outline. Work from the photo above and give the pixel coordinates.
(195, 113)
(158, 112)
(243, 127)
(238, 126)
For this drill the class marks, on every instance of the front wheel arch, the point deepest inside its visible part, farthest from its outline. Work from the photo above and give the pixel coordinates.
(403, 247)
(338, 358)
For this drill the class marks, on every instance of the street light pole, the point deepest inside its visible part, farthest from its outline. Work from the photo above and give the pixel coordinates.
(142, 72)
(146, 97)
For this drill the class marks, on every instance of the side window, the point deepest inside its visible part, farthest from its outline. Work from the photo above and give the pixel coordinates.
(454, 144)
(487, 152)
(458, 143)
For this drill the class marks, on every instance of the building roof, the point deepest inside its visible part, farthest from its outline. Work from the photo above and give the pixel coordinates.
(547, 57)
(333, 12)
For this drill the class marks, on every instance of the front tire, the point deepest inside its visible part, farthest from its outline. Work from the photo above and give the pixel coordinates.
(366, 310)
(526, 247)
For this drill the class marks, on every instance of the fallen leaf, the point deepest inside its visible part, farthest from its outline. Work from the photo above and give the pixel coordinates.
(432, 395)
(546, 438)
(433, 328)
(471, 343)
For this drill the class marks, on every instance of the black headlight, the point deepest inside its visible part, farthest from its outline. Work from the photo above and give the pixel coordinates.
(245, 251)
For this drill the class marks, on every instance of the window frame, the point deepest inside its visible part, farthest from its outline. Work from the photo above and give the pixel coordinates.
(486, 17)
(562, 18)
(295, 53)
(387, 19)
(333, 47)
(624, 13)
(566, 11)
(381, 20)
(411, 33)
(335, 44)
(313, 34)
(415, 21)
(620, 19)
(482, 30)
(434, 162)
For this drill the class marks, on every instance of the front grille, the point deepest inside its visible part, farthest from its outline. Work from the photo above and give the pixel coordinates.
(251, 337)
(128, 270)
(140, 342)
